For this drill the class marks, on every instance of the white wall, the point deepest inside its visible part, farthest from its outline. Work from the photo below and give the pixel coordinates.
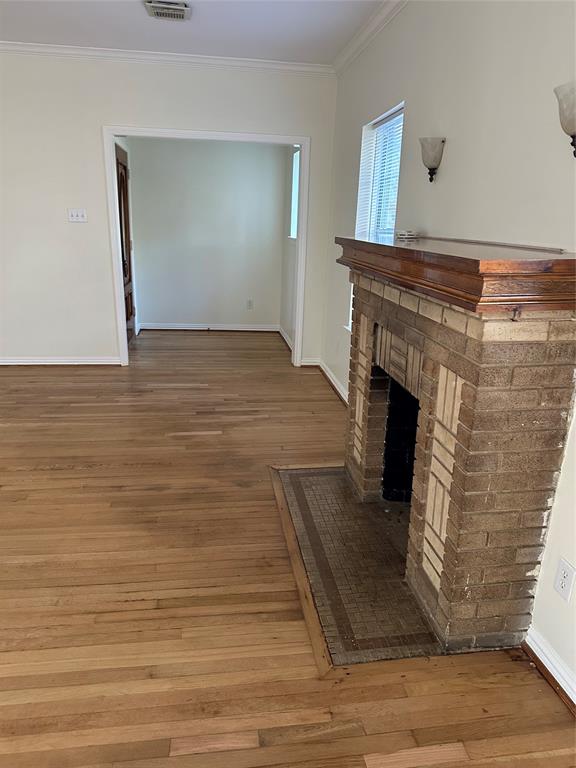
(59, 293)
(481, 74)
(208, 230)
(553, 630)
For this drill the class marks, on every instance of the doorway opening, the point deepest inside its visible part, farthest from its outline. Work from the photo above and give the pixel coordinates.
(223, 247)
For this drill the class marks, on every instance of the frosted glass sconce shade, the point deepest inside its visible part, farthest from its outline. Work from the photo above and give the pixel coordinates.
(432, 149)
(566, 95)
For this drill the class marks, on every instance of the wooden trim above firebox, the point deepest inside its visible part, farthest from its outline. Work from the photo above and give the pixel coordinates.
(479, 278)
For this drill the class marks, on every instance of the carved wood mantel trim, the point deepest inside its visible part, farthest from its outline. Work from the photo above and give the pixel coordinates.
(479, 278)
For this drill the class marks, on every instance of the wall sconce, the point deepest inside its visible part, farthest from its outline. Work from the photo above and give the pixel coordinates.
(566, 95)
(432, 149)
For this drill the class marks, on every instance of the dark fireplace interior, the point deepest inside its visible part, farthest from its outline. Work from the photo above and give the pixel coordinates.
(400, 443)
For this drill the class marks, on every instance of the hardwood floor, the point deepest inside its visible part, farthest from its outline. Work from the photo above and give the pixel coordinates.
(148, 613)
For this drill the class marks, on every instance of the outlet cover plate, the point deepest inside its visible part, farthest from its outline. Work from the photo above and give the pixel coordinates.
(564, 581)
(77, 215)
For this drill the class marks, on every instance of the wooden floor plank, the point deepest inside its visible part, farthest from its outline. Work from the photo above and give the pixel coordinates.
(541, 738)
(149, 616)
(421, 757)
(288, 753)
(337, 729)
(223, 742)
(154, 731)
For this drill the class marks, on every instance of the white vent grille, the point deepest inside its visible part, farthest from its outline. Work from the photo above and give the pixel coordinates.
(166, 9)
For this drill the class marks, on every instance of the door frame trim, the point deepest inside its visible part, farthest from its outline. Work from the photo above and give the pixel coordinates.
(112, 132)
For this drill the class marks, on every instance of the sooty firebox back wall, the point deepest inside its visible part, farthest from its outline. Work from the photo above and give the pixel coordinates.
(400, 443)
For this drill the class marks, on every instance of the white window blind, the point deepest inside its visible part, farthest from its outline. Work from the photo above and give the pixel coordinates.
(379, 175)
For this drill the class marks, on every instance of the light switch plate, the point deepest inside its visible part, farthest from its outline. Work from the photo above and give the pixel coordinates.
(77, 215)
(564, 581)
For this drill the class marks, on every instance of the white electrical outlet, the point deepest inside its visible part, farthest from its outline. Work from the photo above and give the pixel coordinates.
(564, 581)
(250, 304)
(77, 215)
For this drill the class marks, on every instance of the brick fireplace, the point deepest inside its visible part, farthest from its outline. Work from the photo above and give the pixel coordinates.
(482, 339)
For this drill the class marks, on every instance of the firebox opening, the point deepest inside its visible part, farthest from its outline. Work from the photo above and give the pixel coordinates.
(400, 443)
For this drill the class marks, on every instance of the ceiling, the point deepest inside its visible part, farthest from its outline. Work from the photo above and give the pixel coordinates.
(311, 31)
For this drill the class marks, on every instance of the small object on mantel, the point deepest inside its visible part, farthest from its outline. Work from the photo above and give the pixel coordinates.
(478, 277)
(407, 235)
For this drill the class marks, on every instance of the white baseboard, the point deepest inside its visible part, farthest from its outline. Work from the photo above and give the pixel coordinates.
(557, 667)
(206, 327)
(330, 375)
(285, 336)
(59, 361)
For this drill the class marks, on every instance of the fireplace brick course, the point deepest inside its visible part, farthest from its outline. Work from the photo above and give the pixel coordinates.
(495, 396)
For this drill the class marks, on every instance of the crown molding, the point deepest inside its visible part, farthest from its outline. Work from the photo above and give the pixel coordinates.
(383, 16)
(152, 57)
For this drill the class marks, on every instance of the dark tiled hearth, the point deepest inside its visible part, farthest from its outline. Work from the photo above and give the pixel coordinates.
(355, 558)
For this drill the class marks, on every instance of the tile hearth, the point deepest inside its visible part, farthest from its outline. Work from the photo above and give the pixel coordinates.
(355, 558)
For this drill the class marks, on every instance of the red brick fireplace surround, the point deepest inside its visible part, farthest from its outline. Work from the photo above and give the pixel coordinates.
(485, 338)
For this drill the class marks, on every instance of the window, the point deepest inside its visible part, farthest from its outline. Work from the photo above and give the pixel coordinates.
(379, 175)
(295, 192)
(378, 183)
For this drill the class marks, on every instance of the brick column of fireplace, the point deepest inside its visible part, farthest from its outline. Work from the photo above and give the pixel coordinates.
(495, 395)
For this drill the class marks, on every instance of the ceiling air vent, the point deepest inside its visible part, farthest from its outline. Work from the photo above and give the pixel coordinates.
(166, 9)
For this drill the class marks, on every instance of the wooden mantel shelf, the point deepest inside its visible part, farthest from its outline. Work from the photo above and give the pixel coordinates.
(477, 277)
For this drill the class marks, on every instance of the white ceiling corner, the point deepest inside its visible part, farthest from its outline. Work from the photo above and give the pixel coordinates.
(316, 37)
(383, 16)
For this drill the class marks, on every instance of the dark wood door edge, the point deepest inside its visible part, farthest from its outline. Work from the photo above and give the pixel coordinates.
(549, 677)
(319, 647)
(121, 154)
